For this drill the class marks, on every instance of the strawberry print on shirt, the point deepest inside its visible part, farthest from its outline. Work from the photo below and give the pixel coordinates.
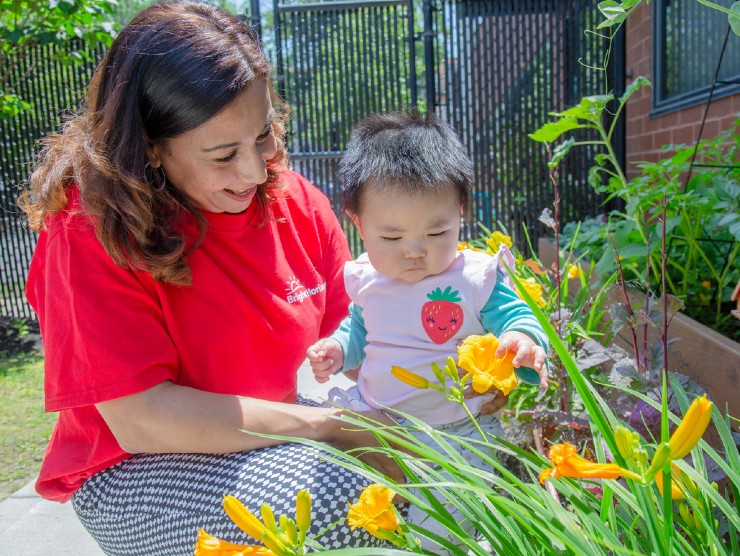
(441, 316)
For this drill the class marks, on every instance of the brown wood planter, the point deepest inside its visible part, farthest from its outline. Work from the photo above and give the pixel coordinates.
(705, 356)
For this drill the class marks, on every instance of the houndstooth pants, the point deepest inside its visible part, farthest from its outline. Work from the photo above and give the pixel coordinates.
(154, 504)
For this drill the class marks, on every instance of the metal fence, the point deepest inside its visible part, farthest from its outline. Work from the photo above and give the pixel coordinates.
(337, 62)
(499, 69)
(52, 87)
(492, 68)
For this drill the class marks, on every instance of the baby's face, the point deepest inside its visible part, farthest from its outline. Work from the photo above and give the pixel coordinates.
(409, 236)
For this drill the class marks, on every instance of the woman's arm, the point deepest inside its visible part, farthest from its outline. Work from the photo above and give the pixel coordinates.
(173, 418)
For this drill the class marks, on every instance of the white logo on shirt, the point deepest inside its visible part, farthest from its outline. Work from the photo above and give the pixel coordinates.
(297, 292)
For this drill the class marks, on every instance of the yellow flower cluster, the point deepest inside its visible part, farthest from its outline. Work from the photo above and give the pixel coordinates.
(283, 539)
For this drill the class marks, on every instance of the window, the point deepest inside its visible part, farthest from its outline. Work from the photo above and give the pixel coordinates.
(687, 43)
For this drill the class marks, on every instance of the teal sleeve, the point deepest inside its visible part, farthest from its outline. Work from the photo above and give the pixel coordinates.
(352, 336)
(505, 311)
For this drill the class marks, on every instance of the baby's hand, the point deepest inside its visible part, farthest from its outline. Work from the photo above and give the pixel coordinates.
(528, 353)
(326, 357)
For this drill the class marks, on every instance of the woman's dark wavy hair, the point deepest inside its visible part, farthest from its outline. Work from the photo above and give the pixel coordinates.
(172, 68)
(415, 151)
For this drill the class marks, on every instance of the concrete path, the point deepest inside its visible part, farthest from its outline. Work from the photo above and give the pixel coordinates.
(31, 526)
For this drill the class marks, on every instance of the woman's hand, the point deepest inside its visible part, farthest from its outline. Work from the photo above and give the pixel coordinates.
(495, 404)
(348, 437)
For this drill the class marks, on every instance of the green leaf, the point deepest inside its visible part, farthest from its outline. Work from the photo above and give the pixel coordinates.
(560, 151)
(613, 12)
(633, 87)
(590, 108)
(549, 132)
(735, 19)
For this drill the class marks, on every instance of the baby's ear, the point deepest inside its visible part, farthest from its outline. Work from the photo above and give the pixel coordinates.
(356, 219)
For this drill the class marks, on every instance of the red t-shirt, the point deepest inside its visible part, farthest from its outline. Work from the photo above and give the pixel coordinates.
(261, 294)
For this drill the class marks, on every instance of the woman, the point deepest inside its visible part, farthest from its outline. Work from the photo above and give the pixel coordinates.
(181, 272)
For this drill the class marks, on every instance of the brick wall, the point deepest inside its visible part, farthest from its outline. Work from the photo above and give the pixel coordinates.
(646, 135)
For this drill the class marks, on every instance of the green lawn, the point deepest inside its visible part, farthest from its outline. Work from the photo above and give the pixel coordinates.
(24, 427)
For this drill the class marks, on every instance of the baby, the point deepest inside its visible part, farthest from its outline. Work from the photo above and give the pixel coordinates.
(406, 182)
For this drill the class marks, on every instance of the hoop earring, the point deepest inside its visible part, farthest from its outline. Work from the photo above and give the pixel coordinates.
(162, 185)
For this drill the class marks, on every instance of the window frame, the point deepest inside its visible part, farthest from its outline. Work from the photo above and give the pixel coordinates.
(688, 98)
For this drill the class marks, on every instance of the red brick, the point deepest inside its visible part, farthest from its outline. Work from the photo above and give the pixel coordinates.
(661, 138)
(685, 134)
(711, 129)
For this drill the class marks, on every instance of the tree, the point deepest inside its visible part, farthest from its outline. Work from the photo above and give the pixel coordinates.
(26, 24)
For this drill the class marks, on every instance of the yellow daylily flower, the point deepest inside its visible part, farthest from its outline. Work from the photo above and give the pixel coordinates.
(534, 289)
(574, 272)
(407, 377)
(374, 512)
(477, 356)
(208, 545)
(681, 483)
(567, 463)
(691, 428)
(496, 240)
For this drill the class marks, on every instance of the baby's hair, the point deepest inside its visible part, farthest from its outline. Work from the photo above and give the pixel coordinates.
(419, 152)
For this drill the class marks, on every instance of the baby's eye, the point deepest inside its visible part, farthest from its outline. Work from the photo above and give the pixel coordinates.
(225, 159)
(438, 234)
(390, 238)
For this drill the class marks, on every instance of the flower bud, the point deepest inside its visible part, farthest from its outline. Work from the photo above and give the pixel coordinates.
(691, 428)
(303, 513)
(277, 545)
(439, 374)
(627, 442)
(268, 517)
(244, 519)
(407, 377)
(660, 459)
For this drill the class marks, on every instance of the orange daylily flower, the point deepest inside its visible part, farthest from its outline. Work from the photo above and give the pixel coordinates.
(208, 545)
(374, 512)
(477, 356)
(567, 463)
